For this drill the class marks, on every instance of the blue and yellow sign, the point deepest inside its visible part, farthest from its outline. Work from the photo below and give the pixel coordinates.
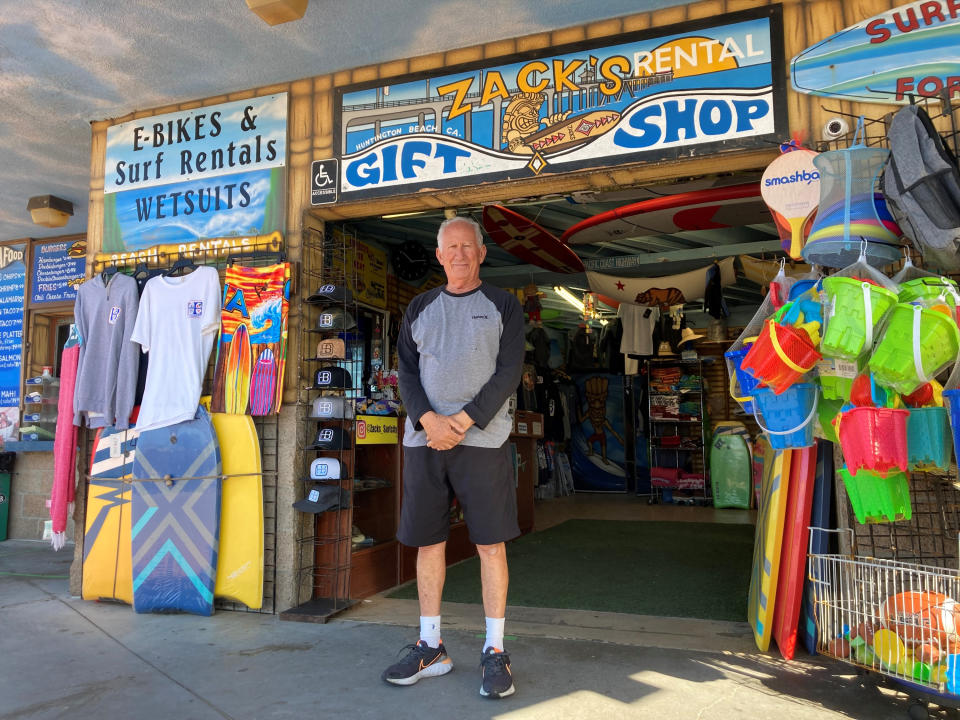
(210, 172)
(647, 96)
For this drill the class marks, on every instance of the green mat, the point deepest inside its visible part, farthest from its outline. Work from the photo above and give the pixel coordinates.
(678, 569)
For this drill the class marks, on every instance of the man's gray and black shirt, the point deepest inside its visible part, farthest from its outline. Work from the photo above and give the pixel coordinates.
(461, 352)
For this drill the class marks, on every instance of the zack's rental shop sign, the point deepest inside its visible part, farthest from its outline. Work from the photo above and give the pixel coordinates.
(214, 171)
(647, 97)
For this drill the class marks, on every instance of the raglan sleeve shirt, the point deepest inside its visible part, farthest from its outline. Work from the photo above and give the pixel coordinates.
(408, 364)
(461, 352)
(504, 381)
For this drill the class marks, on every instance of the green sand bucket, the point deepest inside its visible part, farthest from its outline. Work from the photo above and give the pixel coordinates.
(877, 499)
(927, 288)
(858, 307)
(827, 410)
(916, 345)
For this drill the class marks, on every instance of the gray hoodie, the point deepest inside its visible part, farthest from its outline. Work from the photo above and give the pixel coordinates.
(107, 373)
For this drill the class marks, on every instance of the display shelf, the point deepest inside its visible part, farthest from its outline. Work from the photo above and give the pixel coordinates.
(674, 461)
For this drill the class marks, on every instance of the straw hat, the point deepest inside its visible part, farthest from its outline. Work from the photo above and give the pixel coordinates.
(688, 335)
(665, 349)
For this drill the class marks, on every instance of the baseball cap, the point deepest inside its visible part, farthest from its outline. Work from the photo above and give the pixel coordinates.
(329, 407)
(335, 438)
(333, 348)
(321, 498)
(332, 378)
(325, 469)
(335, 318)
(331, 293)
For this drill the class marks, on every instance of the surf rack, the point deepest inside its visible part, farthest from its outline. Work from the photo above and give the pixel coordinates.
(889, 617)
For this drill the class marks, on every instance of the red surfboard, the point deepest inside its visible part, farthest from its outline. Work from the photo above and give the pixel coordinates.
(529, 242)
(709, 209)
(793, 550)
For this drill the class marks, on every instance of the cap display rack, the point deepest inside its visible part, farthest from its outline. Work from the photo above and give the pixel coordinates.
(323, 547)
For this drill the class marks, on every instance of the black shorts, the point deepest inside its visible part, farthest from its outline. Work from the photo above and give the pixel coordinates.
(482, 479)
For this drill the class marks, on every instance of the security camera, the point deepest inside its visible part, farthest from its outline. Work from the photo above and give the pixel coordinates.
(835, 128)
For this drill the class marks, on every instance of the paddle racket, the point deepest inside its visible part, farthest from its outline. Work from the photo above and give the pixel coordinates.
(790, 187)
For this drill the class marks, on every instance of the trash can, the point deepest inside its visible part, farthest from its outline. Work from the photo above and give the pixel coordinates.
(6, 470)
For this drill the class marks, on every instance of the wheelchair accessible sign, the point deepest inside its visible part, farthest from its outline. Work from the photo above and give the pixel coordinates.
(324, 181)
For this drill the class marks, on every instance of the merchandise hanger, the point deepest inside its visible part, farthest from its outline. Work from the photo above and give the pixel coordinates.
(108, 272)
(141, 269)
(184, 263)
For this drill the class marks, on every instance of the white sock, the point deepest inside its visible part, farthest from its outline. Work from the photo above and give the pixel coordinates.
(430, 630)
(494, 633)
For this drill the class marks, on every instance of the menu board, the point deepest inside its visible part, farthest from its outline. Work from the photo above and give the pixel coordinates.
(58, 270)
(12, 287)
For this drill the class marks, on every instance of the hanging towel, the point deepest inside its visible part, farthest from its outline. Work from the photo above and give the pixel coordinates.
(63, 492)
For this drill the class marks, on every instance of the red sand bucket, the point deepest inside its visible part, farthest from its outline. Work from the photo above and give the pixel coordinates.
(780, 356)
(874, 439)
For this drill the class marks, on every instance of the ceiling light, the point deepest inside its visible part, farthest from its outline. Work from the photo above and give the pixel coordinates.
(274, 12)
(569, 297)
(49, 210)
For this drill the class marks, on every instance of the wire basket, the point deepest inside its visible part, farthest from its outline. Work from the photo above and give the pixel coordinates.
(897, 619)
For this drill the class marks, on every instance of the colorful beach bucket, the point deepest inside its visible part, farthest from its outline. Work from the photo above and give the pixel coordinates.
(928, 438)
(744, 379)
(916, 344)
(787, 417)
(858, 308)
(781, 356)
(875, 498)
(873, 438)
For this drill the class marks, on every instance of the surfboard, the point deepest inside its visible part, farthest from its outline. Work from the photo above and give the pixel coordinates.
(819, 541)
(236, 390)
(883, 59)
(730, 472)
(793, 553)
(176, 521)
(263, 383)
(766, 547)
(524, 239)
(711, 209)
(106, 538)
(240, 561)
(572, 132)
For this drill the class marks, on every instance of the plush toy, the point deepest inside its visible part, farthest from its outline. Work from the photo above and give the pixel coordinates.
(531, 303)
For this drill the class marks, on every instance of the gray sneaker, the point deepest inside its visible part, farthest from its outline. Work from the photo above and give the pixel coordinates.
(497, 678)
(422, 661)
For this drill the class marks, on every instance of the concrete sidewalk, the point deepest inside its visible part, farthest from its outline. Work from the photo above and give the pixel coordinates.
(61, 657)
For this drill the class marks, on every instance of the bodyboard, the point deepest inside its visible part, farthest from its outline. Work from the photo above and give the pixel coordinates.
(766, 547)
(176, 520)
(730, 470)
(793, 553)
(106, 538)
(240, 561)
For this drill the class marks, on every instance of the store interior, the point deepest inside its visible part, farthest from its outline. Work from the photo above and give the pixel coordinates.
(603, 482)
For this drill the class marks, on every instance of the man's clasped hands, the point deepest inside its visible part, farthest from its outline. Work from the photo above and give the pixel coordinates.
(445, 431)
